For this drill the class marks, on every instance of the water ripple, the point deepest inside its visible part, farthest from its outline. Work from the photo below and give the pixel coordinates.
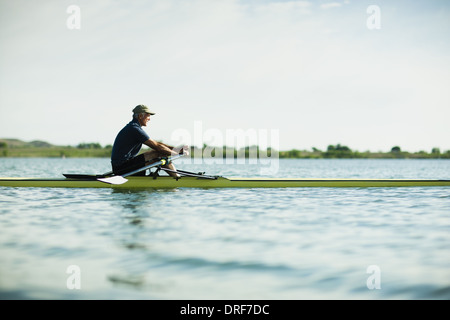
(228, 244)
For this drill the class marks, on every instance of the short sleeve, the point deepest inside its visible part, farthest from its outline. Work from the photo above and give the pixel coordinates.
(140, 135)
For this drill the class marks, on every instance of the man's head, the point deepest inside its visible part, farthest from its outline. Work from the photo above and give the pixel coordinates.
(142, 114)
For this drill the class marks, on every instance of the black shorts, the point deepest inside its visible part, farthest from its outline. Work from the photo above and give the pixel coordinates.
(131, 165)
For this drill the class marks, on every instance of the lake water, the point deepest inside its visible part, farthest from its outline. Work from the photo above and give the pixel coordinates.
(299, 243)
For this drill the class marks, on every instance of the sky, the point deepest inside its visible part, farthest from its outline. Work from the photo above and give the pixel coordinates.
(297, 74)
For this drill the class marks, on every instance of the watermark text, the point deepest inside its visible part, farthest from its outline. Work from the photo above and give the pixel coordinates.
(373, 22)
(73, 22)
(74, 278)
(374, 280)
(232, 146)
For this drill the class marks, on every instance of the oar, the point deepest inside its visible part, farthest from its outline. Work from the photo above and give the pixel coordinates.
(86, 176)
(199, 175)
(121, 179)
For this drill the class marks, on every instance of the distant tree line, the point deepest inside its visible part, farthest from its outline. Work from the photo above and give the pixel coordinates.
(3, 149)
(89, 146)
(94, 149)
(340, 151)
(337, 151)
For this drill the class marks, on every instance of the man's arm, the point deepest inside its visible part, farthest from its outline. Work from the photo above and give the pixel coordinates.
(170, 147)
(182, 149)
(160, 147)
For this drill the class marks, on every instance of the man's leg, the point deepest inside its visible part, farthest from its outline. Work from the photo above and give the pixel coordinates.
(152, 154)
(131, 165)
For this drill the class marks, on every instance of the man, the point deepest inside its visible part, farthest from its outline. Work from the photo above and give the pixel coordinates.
(128, 143)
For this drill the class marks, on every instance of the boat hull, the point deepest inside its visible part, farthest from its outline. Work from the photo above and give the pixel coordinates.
(192, 182)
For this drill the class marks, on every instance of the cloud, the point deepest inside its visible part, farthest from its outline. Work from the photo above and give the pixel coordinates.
(330, 5)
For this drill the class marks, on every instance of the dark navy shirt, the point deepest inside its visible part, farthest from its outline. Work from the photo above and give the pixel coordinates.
(128, 143)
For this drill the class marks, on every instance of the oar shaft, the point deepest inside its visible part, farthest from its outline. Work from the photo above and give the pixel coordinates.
(121, 179)
(157, 163)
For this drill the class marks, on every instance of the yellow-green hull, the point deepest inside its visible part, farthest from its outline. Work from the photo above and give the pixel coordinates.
(192, 182)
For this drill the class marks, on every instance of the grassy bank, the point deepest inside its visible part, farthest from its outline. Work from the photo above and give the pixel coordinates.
(20, 149)
(41, 149)
(55, 152)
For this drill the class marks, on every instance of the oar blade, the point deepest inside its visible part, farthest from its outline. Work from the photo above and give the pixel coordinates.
(116, 180)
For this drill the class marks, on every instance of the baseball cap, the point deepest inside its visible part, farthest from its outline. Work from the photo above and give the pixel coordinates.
(142, 109)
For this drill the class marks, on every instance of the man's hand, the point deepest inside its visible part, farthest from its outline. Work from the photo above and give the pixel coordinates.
(182, 150)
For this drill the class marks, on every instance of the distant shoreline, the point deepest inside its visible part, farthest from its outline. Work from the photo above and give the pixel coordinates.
(14, 148)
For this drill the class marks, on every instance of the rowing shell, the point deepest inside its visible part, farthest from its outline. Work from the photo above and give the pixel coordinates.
(165, 182)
